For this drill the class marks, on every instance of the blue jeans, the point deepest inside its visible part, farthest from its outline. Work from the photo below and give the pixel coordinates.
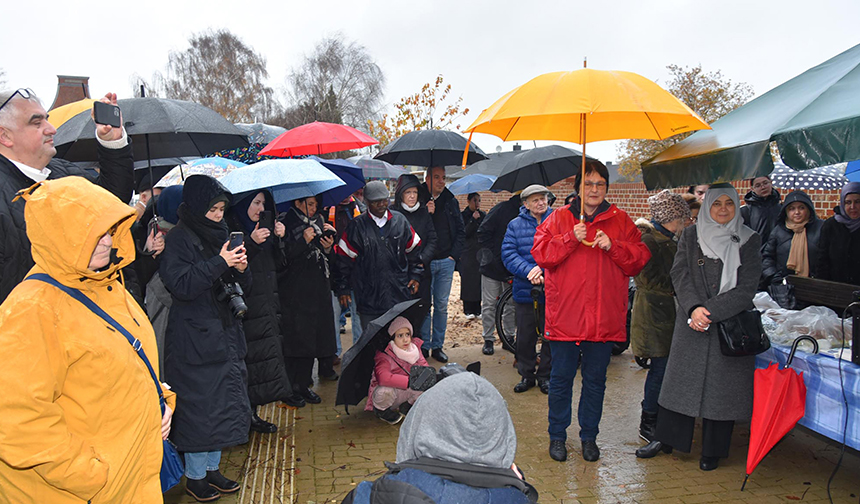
(653, 383)
(435, 325)
(565, 358)
(196, 464)
(340, 319)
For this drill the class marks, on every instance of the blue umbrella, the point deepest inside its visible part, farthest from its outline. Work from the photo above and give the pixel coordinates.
(852, 171)
(475, 182)
(288, 179)
(352, 176)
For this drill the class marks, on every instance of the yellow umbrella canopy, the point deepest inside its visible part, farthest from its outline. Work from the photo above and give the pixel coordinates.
(587, 105)
(62, 114)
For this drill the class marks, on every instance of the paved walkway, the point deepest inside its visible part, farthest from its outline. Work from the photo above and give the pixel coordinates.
(321, 453)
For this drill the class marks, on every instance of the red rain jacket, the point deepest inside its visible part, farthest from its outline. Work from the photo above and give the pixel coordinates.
(586, 288)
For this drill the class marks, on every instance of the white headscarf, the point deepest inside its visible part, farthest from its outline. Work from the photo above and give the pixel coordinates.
(723, 241)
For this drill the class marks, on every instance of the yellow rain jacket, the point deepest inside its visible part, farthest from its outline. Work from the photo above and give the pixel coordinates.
(79, 414)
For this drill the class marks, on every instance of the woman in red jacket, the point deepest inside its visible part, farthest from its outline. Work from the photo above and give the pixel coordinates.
(587, 265)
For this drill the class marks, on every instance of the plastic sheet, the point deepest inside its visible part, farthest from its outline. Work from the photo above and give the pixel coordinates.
(823, 324)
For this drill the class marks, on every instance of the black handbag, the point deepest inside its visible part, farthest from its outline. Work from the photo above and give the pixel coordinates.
(783, 293)
(741, 335)
(421, 378)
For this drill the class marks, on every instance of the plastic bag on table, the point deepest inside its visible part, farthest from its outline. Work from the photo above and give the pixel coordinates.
(763, 302)
(820, 322)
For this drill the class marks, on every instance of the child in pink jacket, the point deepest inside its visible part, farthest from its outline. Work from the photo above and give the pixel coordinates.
(389, 395)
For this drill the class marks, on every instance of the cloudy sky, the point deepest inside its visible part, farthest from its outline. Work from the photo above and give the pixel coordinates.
(483, 48)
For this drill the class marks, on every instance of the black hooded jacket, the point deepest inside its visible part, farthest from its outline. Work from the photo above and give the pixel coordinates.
(760, 214)
(840, 249)
(420, 220)
(116, 175)
(491, 234)
(778, 245)
(205, 344)
(267, 376)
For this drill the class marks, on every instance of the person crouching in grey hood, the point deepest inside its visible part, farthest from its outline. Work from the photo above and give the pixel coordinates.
(445, 453)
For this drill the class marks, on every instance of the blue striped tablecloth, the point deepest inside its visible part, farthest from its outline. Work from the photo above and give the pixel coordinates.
(825, 411)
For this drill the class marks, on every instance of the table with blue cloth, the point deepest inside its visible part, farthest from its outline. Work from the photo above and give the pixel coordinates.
(825, 410)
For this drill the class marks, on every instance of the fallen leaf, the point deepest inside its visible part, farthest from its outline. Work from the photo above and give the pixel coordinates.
(351, 444)
(792, 497)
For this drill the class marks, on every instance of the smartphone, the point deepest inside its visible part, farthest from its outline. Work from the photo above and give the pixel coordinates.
(267, 220)
(328, 233)
(236, 240)
(105, 113)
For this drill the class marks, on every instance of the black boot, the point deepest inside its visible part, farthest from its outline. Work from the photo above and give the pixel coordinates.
(652, 449)
(221, 483)
(262, 426)
(201, 490)
(648, 426)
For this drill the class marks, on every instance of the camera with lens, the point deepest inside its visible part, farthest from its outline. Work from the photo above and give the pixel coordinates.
(232, 293)
(537, 292)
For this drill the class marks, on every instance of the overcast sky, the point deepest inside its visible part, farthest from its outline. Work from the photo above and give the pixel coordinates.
(483, 48)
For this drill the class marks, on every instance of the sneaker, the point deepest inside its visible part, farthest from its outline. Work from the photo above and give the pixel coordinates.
(388, 415)
(557, 450)
(478, 316)
(470, 316)
(590, 451)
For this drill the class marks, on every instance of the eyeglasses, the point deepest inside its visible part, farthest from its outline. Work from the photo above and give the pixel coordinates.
(592, 185)
(761, 184)
(26, 93)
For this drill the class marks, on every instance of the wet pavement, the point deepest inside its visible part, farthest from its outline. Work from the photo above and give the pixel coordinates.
(320, 453)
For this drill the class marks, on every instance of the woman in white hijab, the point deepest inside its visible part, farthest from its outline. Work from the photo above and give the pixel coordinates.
(715, 275)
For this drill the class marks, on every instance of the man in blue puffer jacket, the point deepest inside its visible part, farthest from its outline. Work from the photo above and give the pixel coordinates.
(517, 256)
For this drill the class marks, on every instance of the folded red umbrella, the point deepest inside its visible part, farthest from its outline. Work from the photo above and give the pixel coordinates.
(317, 138)
(779, 401)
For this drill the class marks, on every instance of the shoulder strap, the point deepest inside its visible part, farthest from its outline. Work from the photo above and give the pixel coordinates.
(134, 342)
(701, 263)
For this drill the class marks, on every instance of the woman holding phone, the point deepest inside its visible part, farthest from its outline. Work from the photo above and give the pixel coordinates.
(205, 344)
(253, 216)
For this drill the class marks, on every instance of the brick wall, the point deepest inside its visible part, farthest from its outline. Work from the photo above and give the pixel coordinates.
(633, 198)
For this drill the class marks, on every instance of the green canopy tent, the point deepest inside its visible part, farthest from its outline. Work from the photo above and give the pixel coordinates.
(814, 119)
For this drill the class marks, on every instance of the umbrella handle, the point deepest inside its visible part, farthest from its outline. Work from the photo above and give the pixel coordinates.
(585, 242)
(794, 347)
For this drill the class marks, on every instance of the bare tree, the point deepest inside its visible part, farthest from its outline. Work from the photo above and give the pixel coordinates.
(709, 94)
(222, 73)
(153, 87)
(339, 80)
(2, 79)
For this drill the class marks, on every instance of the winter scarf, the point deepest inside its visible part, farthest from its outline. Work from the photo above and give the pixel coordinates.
(410, 355)
(798, 256)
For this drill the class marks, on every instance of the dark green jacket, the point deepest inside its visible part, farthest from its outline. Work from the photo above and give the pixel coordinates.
(653, 317)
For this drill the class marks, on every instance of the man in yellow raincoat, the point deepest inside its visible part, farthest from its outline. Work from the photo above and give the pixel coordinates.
(80, 419)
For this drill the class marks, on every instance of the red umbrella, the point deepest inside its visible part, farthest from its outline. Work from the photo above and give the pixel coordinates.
(779, 402)
(317, 138)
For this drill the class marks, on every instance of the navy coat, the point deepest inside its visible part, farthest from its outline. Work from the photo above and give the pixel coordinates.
(517, 252)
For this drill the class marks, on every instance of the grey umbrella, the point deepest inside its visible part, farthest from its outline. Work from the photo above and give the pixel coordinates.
(174, 128)
(261, 133)
(541, 165)
(430, 148)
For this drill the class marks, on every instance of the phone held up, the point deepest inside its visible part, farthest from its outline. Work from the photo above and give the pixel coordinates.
(267, 220)
(105, 113)
(236, 240)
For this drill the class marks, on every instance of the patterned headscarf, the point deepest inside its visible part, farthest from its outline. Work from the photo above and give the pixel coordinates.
(667, 206)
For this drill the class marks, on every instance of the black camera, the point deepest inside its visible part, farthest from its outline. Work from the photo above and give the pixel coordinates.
(537, 292)
(232, 293)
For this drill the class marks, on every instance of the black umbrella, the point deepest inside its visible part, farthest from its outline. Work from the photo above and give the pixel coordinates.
(430, 148)
(357, 367)
(174, 128)
(541, 165)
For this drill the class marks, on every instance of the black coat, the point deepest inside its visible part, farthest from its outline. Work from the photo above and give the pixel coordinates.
(491, 234)
(470, 275)
(761, 214)
(267, 376)
(116, 175)
(840, 250)
(304, 288)
(778, 245)
(422, 223)
(448, 203)
(377, 262)
(204, 348)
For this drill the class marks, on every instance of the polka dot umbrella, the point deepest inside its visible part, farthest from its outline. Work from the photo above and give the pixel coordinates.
(825, 177)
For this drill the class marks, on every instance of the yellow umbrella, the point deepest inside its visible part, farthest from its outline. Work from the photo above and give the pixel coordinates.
(62, 114)
(587, 106)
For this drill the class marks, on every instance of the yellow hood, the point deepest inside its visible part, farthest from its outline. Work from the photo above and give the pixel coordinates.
(66, 218)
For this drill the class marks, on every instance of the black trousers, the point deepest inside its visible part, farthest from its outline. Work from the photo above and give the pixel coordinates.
(472, 307)
(676, 430)
(527, 339)
(300, 371)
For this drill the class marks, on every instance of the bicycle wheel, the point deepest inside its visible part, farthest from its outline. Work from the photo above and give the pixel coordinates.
(508, 335)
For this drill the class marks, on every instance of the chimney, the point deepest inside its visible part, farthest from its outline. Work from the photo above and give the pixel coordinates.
(518, 147)
(70, 89)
